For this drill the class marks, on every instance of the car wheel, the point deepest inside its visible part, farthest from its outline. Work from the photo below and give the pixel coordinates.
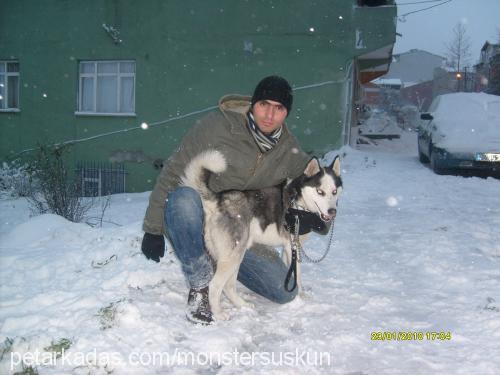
(435, 162)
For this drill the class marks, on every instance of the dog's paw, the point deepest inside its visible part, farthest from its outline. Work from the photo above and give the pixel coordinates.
(247, 305)
(305, 293)
(221, 315)
(240, 302)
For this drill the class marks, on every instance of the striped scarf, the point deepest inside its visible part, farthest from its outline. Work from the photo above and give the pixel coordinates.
(264, 141)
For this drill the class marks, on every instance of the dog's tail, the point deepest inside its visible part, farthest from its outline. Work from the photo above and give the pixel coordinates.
(199, 169)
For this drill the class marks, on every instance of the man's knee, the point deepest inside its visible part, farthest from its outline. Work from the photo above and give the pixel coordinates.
(184, 195)
(285, 296)
(183, 208)
(184, 200)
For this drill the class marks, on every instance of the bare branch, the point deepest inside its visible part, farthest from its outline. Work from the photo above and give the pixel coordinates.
(459, 48)
(51, 187)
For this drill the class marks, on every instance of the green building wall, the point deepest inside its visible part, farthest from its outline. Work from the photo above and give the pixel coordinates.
(188, 54)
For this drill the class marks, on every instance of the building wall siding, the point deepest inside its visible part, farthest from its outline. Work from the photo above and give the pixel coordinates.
(188, 54)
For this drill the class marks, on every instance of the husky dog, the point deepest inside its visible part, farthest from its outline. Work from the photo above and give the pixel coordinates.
(234, 220)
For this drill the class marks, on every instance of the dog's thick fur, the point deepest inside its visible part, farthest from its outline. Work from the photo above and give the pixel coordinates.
(234, 220)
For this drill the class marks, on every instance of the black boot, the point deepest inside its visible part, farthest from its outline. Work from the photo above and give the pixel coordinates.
(198, 307)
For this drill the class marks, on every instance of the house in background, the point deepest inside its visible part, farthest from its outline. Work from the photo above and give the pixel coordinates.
(484, 76)
(419, 94)
(488, 69)
(122, 81)
(413, 67)
(412, 74)
(371, 94)
(448, 80)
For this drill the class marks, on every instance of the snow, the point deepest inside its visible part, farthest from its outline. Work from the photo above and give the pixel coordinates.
(468, 121)
(379, 123)
(388, 81)
(412, 252)
(410, 84)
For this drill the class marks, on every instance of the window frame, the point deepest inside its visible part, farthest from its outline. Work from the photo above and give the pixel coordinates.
(8, 74)
(95, 75)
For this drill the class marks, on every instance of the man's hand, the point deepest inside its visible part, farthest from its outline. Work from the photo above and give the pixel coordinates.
(153, 246)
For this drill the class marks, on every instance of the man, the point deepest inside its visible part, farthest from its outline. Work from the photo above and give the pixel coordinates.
(261, 152)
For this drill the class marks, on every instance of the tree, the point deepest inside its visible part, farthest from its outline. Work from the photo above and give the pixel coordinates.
(458, 49)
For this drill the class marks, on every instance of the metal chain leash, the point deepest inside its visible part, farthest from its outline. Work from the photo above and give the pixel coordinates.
(302, 256)
(297, 256)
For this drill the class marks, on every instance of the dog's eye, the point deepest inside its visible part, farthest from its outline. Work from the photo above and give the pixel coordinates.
(334, 192)
(320, 192)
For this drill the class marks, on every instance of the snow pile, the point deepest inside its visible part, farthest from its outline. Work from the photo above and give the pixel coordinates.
(379, 123)
(414, 255)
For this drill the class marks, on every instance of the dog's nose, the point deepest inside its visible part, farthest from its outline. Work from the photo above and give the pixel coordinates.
(332, 212)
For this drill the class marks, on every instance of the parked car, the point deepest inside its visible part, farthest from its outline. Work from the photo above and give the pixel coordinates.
(461, 132)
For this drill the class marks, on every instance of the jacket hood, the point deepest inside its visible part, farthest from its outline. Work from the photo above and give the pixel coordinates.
(235, 103)
(238, 104)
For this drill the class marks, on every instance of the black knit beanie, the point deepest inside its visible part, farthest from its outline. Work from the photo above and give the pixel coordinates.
(274, 88)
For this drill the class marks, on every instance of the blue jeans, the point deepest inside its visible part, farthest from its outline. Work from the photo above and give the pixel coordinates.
(261, 271)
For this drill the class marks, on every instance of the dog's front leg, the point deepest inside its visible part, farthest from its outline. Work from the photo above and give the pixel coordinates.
(234, 297)
(299, 275)
(224, 270)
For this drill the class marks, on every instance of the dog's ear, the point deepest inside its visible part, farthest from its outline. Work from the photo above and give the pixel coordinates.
(335, 166)
(312, 167)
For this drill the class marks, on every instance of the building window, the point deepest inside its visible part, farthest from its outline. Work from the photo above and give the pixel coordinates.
(106, 87)
(9, 85)
(97, 179)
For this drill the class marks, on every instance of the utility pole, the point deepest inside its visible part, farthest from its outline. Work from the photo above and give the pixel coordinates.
(458, 76)
(465, 79)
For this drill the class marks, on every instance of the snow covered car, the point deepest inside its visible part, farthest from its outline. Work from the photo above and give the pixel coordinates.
(461, 131)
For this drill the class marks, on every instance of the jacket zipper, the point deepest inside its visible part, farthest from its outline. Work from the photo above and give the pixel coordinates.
(259, 159)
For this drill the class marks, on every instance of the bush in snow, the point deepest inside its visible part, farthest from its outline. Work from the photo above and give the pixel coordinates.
(55, 190)
(14, 180)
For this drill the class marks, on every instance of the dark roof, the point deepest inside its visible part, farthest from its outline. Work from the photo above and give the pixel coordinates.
(486, 44)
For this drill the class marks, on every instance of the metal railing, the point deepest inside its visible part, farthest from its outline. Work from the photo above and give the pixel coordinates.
(100, 178)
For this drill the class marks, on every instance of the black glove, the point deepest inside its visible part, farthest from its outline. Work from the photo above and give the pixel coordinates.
(153, 246)
(308, 221)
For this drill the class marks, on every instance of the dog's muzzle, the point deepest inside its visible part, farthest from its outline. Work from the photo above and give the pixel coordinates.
(332, 212)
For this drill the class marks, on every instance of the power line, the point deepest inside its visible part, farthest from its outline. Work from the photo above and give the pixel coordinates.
(401, 17)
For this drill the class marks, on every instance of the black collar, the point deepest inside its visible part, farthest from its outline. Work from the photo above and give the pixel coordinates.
(308, 221)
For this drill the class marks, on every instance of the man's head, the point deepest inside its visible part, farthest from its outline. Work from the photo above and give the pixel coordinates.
(271, 103)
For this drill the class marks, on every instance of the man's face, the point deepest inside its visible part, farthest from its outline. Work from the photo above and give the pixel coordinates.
(269, 115)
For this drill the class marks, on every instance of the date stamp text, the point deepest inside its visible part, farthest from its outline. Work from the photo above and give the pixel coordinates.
(410, 336)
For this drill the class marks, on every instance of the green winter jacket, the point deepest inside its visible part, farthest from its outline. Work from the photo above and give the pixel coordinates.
(248, 168)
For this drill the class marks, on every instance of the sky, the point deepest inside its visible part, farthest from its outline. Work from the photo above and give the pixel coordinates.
(431, 29)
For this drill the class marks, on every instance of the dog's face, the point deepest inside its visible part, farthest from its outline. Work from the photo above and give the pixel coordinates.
(321, 188)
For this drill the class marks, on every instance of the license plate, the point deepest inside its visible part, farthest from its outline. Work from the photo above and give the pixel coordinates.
(489, 156)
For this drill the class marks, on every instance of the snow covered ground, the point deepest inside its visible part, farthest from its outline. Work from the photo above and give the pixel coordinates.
(413, 252)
